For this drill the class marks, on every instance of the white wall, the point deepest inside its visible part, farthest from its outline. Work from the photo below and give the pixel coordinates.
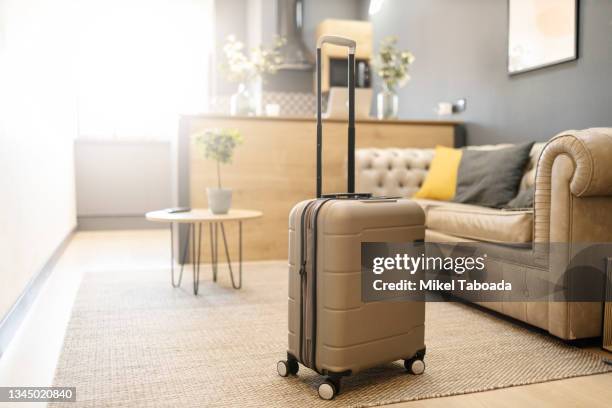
(122, 178)
(133, 85)
(37, 130)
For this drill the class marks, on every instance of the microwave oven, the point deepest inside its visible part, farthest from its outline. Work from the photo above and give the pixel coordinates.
(338, 77)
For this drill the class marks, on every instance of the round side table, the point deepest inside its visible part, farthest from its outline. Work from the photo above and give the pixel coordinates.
(194, 219)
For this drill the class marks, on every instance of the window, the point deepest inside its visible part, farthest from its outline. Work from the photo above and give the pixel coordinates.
(140, 64)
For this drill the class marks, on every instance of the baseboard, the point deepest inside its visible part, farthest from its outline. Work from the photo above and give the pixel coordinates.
(115, 222)
(12, 320)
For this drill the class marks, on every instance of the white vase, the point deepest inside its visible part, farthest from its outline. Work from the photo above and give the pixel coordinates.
(247, 101)
(387, 104)
(240, 102)
(219, 200)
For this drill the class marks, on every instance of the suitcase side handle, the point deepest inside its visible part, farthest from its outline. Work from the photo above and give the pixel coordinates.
(351, 45)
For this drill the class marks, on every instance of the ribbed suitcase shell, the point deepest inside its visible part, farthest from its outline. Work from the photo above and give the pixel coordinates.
(351, 335)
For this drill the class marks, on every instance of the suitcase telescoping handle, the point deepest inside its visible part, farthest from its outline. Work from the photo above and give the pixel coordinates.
(350, 44)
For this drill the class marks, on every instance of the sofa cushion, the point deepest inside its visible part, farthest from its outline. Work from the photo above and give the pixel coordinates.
(491, 178)
(528, 179)
(478, 223)
(427, 204)
(524, 199)
(441, 179)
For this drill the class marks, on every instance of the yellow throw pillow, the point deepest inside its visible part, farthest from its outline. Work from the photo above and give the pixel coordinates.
(441, 180)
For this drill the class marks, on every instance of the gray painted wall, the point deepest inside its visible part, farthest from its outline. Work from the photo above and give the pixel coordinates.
(460, 49)
(316, 11)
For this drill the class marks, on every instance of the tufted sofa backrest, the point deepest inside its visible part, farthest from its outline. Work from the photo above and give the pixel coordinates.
(400, 172)
(391, 172)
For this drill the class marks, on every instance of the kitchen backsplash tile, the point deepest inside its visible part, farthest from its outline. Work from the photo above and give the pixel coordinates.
(301, 104)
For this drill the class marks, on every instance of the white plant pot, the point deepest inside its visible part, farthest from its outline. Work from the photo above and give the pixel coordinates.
(219, 200)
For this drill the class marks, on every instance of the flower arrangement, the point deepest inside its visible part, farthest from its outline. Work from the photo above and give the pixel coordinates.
(238, 67)
(392, 65)
(219, 145)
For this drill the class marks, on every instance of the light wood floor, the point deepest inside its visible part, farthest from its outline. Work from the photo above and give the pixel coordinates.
(32, 355)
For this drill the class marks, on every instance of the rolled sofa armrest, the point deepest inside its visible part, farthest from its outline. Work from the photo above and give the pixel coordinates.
(591, 152)
(575, 163)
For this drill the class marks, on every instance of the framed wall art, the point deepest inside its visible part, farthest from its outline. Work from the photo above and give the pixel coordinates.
(541, 33)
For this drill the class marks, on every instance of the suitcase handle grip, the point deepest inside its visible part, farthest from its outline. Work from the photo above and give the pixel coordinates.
(351, 45)
(337, 40)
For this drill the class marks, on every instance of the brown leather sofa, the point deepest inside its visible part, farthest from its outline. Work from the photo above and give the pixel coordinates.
(572, 174)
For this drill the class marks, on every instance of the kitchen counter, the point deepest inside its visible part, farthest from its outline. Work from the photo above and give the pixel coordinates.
(275, 166)
(432, 122)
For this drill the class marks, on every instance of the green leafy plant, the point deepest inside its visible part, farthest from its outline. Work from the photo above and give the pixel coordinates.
(219, 145)
(238, 67)
(392, 65)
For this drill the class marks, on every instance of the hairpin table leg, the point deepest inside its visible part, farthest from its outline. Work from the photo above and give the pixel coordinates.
(196, 249)
(182, 261)
(213, 249)
(227, 255)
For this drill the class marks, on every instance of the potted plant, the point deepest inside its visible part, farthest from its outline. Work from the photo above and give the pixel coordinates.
(219, 145)
(248, 72)
(391, 66)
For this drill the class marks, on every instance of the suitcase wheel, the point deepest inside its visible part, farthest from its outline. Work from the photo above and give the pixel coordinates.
(329, 389)
(415, 366)
(286, 367)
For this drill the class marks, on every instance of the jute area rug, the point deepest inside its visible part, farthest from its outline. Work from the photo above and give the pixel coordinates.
(135, 341)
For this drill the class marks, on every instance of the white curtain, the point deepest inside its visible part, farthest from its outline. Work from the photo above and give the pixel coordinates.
(140, 64)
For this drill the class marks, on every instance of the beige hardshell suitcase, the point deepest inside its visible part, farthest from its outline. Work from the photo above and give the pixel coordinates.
(330, 329)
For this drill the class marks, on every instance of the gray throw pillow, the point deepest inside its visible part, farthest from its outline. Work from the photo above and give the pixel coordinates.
(491, 178)
(524, 199)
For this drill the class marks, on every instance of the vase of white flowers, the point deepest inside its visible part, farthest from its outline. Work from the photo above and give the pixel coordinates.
(391, 66)
(248, 72)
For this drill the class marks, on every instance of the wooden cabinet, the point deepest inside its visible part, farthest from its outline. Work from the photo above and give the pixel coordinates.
(275, 167)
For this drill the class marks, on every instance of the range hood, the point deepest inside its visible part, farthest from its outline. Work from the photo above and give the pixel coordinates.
(290, 24)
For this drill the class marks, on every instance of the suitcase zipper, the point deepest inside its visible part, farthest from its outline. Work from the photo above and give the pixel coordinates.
(313, 340)
(302, 272)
